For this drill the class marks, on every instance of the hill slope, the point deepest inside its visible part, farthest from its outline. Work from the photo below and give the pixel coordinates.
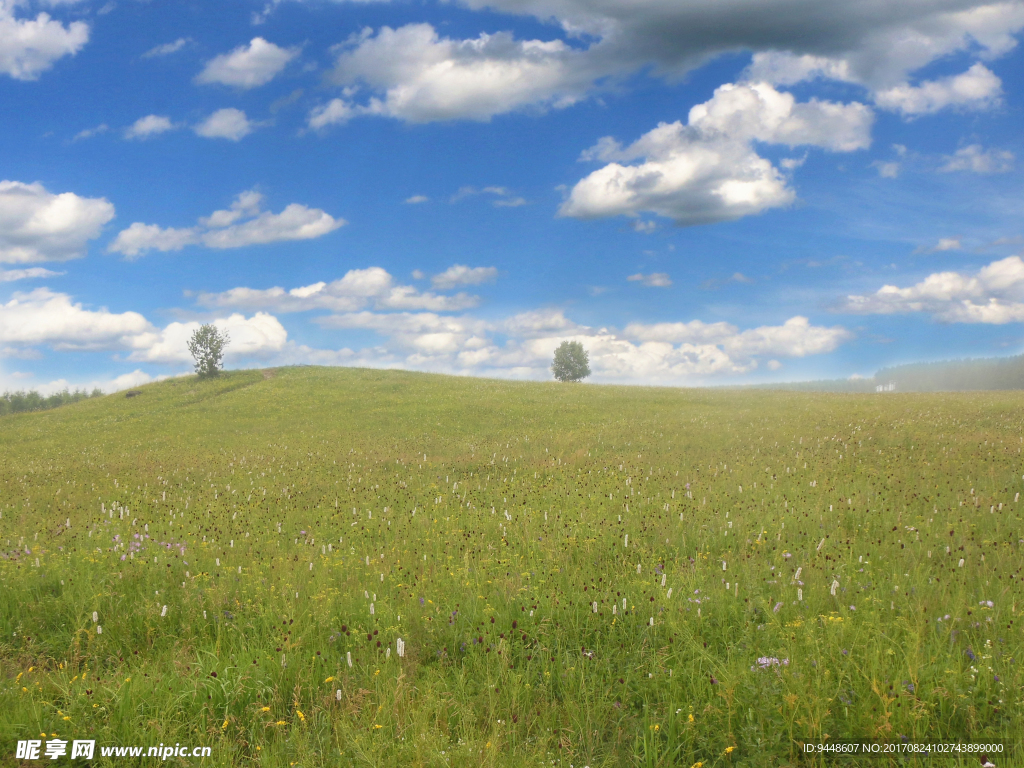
(340, 566)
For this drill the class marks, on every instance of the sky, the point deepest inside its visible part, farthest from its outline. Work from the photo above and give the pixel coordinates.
(702, 192)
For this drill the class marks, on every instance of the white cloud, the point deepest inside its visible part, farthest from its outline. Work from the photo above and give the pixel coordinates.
(707, 170)
(505, 198)
(167, 48)
(29, 47)
(229, 123)
(948, 244)
(417, 199)
(413, 74)
(994, 294)
(976, 159)
(88, 133)
(241, 225)
(150, 125)
(977, 88)
(258, 336)
(247, 66)
(878, 45)
(653, 280)
(887, 169)
(37, 225)
(44, 317)
(669, 353)
(359, 288)
(460, 274)
(881, 47)
(10, 275)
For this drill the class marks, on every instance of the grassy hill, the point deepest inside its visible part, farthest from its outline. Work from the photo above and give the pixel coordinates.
(578, 575)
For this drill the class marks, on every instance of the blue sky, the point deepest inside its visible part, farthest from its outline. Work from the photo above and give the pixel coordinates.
(701, 191)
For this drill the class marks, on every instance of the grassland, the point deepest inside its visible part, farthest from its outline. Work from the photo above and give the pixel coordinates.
(580, 575)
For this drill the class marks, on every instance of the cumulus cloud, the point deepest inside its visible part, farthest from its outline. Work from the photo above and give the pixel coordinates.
(460, 274)
(708, 170)
(244, 223)
(994, 294)
(29, 47)
(975, 159)
(150, 125)
(977, 88)
(359, 288)
(258, 336)
(247, 66)
(44, 317)
(38, 225)
(794, 338)
(653, 280)
(875, 45)
(666, 353)
(227, 123)
(413, 74)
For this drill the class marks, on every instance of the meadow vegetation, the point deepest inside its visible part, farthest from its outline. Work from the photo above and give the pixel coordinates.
(315, 567)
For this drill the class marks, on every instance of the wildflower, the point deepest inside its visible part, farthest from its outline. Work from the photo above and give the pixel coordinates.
(264, 709)
(302, 717)
(777, 607)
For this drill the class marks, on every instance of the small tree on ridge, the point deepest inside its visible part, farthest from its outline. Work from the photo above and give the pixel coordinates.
(207, 349)
(571, 363)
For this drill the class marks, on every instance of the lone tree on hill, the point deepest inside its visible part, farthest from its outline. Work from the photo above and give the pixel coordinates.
(207, 348)
(572, 363)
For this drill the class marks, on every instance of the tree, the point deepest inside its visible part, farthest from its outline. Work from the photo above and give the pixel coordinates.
(207, 348)
(572, 363)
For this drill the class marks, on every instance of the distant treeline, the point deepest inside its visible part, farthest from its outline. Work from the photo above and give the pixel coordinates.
(945, 376)
(22, 402)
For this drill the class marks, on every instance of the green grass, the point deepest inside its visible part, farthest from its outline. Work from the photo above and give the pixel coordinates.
(277, 526)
